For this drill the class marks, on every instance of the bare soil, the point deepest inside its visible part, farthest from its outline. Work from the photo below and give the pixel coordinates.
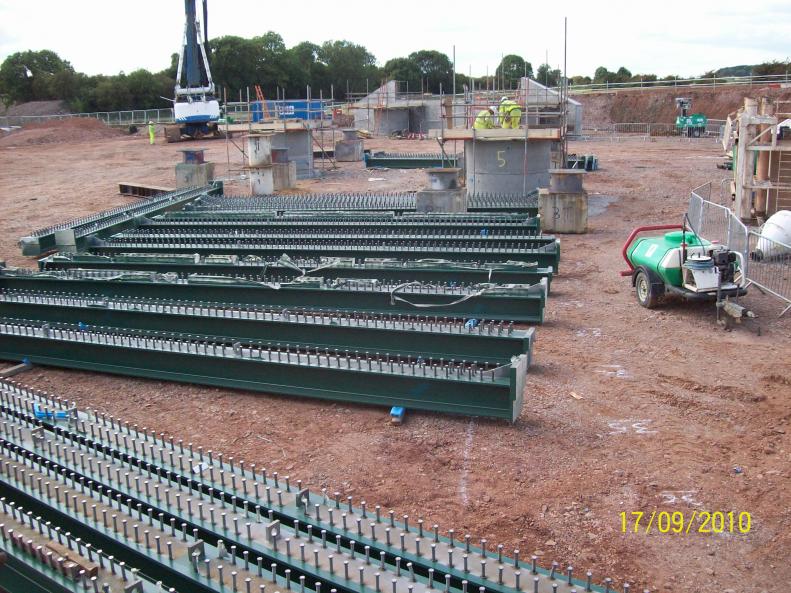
(59, 132)
(659, 105)
(626, 409)
(36, 108)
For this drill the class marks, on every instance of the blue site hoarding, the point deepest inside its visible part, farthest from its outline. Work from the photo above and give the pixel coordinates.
(297, 109)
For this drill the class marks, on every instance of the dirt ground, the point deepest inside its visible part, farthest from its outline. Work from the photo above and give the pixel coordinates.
(625, 410)
(659, 105)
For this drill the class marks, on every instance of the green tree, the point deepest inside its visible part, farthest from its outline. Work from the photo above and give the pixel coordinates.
(348, 63)
(112, 93)
(406, 71)
(436, 69)
(512, 68)
(146, 89)
(28, 76)
(306, 69)
(602, 75)
(623, 75)
(771, 68)
(271, 70)
(171, 70)
(547, 76)
(233, 63)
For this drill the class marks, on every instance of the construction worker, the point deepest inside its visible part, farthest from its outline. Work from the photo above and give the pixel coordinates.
(484, 120)
(151, 131)
(510, 113)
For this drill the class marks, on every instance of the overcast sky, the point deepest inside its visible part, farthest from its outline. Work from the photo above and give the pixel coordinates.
(664, 37)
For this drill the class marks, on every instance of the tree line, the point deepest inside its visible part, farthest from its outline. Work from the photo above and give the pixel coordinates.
(337, 69)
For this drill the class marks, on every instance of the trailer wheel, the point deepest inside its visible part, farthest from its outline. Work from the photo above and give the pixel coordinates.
(646, 293)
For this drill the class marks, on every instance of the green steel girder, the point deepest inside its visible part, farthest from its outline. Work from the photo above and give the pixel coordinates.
(93, 435)
(544, 255)
(406, 160)
(445, 387)
(348, 217)
(439, 227)
(155, 509)
(393, 202)
(519, 238)
(393, 271)
(415, 338)
(24, 573)
(177, 573)
(486, 302)
(21, 572)
(77, 233)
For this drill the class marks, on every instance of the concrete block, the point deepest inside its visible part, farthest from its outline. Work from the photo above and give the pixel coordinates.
(192, 175)
(284, 175)
(563, 212)
(349, 151)
(441, 200)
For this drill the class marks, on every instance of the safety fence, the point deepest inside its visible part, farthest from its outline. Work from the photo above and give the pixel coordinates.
(637, 85)
(644, 131)
(111, 118)
(243, 112)
(767, 262)
(714, 222)
(769, 267)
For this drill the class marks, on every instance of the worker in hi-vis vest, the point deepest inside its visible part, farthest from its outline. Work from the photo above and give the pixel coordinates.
(485, 119)
(151, 132)
(510, 113)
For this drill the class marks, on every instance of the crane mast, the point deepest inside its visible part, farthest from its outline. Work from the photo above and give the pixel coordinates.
(195, 106)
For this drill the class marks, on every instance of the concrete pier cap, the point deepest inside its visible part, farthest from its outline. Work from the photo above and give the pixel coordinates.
(193, 156)
(349, 134)
(565, 181)
(279, 155)
(259, 149)
(443, 178)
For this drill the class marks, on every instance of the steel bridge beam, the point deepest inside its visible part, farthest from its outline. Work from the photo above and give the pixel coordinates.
(524, 304)
(388, 271)
(74, 235)
(450, 387)
(429, 338)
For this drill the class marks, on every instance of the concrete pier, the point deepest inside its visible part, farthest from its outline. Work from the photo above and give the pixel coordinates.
(443, 193)
(259, 158)
(194, 170)
(350, 148)
(506, 166)
(563, 206)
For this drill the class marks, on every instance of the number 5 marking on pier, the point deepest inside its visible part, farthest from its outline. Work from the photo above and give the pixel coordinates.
(500, 159)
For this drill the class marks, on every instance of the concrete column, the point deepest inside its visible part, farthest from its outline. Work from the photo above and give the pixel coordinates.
(300, 149)
(259, 149)
(762, 167)
(510, 167)
(745, 161)
(259, 155)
